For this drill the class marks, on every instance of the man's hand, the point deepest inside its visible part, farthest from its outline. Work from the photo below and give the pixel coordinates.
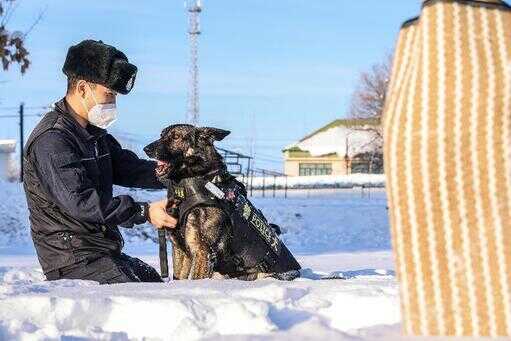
(158, 215)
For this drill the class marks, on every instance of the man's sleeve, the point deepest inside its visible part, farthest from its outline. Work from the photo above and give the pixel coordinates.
(131, 171)
(65, 179)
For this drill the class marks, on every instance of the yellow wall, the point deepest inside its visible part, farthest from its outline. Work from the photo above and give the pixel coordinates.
(292, 163)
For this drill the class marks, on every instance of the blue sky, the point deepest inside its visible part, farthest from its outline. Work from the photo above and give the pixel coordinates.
(271, 71)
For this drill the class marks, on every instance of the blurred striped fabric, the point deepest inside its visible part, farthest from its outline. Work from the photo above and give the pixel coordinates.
(447, 128)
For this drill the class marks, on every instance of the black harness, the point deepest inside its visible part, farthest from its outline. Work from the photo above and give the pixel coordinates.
(191, 192)
(255, 245)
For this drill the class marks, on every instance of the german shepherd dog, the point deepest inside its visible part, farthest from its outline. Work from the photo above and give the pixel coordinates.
(201, 243)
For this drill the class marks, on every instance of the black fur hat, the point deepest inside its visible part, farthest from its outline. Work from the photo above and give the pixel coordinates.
(100, 63)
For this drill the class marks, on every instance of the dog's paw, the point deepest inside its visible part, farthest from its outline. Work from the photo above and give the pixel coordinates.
(286, 276)
(218, 275)
(276, 228)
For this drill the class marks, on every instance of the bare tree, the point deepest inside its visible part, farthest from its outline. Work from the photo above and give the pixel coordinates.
(368, 99)
(12, 44)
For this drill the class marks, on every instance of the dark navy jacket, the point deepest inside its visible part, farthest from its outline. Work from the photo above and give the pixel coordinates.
(69, 175)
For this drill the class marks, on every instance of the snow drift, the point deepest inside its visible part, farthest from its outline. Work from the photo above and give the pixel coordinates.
(34, 309)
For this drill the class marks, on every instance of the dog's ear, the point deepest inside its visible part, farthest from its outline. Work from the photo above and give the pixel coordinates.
(215, 134)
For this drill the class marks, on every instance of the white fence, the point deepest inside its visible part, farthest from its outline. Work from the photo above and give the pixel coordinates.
(313, 182)
(275, 185)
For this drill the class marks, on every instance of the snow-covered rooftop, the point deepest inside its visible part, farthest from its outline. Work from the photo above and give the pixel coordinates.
(342, 137)
(7, 146)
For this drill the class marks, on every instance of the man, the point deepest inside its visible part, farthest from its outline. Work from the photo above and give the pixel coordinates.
(71, 165)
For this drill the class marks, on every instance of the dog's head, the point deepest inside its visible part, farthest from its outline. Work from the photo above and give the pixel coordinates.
(184, 150)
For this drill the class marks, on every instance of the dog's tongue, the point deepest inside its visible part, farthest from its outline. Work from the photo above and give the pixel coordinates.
(161, 166)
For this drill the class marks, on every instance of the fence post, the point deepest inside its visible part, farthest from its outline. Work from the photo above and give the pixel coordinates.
(22, 137)
(248, 170)
(252, 183)
(285, 189)
(264, 182)
(274, 185)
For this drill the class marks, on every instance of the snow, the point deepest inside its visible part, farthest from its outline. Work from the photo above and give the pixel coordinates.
(34, 309)
(13, 210)
(340, 140)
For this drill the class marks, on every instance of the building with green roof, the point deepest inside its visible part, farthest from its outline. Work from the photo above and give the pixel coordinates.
(341, 147)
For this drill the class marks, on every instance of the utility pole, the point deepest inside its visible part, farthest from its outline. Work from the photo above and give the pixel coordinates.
(22, 113)
(194, 9)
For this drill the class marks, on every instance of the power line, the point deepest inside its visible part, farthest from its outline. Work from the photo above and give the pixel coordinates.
(27, 108)
(17, 116)
(261, 139)
(267, 160)
(273, 157)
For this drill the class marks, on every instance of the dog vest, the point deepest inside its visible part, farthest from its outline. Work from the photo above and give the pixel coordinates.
(254, 243)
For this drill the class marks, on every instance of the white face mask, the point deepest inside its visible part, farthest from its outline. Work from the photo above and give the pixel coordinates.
(101, 115)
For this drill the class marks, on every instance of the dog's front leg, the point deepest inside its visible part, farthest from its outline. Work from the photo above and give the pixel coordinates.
(180, 265)
(180, 262)
(186, 266)
(204, 228)
(202, 265)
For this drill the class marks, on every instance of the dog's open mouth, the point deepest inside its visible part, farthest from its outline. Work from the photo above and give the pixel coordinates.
(162, 167)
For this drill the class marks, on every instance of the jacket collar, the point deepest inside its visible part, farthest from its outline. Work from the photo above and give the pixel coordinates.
(68, 114)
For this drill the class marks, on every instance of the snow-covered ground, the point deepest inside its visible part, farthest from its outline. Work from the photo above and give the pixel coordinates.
(33, 309)
(330, 232)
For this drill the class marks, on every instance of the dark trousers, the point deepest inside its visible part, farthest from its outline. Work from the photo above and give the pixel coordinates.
(108, 270)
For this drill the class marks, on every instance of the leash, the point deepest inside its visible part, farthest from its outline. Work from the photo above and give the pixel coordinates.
(164, 261)
(162, 241)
